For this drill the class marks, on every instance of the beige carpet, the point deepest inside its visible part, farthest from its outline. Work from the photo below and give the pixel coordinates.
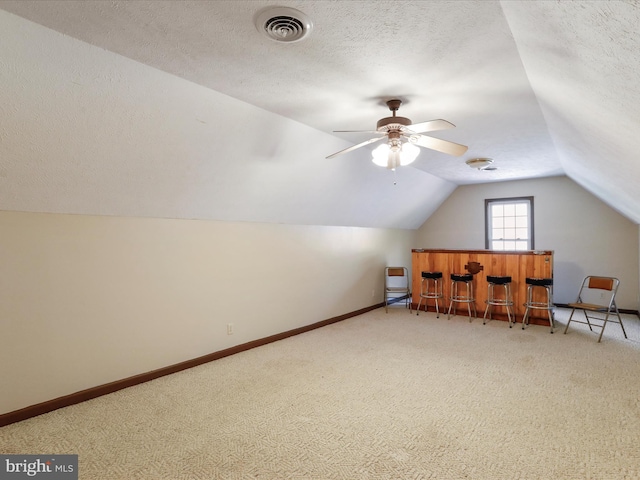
(379, 396)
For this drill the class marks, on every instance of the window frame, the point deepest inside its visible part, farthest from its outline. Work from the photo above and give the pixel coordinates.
(488, 202)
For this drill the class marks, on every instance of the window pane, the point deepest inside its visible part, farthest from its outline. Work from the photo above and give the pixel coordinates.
(497, 210)
(509, 222)
(521, 222)
(497, 245)
(521, 245)
(509, 209)
(509, 245)
(510, 233)
(498, 222)
(497, 233)
(521, 233)
(521, 209)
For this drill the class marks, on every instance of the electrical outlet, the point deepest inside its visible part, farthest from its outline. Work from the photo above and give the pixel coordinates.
(229, 328)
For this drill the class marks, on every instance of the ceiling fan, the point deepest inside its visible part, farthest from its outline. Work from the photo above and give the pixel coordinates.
(402, 137)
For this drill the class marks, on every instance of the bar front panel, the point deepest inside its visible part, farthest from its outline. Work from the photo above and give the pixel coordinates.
(481, 263)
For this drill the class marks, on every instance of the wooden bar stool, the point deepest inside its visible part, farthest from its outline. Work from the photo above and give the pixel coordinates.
(506, 300)
(431, 287)
(467, 297)
(531, 304)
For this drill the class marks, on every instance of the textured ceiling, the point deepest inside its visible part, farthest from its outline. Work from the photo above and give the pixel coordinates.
(183, 109)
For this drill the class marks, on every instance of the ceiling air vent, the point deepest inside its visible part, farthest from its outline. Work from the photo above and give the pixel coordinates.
(283, 24)
(481, 163)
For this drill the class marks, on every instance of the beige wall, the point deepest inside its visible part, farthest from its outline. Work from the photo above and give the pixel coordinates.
(87, 300)
(587, 236)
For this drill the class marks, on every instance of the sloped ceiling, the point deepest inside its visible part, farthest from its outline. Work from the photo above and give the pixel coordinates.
(184, 110)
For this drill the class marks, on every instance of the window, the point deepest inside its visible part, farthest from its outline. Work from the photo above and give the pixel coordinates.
(509, 223)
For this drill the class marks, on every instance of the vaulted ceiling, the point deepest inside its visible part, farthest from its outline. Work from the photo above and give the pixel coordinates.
(183, 109)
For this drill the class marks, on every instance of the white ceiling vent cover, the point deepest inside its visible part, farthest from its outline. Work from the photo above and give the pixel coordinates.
(283, 24)
(481, 163)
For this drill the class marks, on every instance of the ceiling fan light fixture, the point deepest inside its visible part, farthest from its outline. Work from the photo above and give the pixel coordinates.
(409, 153)
(394, 155)
(381, 155)
(479, 163)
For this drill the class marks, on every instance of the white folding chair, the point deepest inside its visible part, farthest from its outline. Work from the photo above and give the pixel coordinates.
(397, 285)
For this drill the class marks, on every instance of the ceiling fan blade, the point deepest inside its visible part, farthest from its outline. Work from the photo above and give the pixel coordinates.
(430, 126)
(443, 146)
(371, 140)
(359, 131)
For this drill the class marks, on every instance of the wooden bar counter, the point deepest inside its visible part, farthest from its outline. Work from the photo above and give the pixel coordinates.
(517, 264)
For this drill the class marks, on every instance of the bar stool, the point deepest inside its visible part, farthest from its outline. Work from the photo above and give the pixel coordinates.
(547, 284)
(504, 301)
(431, 287)
(467, 297)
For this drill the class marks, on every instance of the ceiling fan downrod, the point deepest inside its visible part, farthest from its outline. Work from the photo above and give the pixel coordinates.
(394, 106)
(393, 123)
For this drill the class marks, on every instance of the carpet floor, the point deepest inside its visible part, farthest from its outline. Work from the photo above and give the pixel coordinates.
(378, 396)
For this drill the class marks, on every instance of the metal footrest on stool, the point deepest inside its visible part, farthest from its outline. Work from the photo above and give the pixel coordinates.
(547, 284)
(431, 288)
(505, 301)
(467, 297)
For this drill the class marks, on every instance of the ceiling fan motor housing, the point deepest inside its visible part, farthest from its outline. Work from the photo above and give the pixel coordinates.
(385, 122)
(393, 123)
